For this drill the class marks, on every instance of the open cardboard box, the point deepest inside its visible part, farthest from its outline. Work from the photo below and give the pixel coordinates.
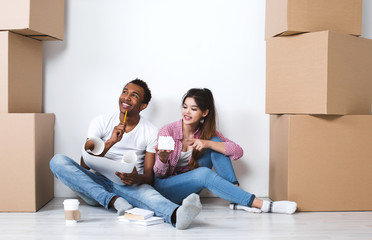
(319, 73)
(26, 146)
(40, 19)
(324, 163)
(286, 17)
(21, 60)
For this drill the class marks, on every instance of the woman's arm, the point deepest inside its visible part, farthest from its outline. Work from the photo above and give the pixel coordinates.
(225, 146)
(232, 149)
(163, 159)
(161, 164)
(200, 144)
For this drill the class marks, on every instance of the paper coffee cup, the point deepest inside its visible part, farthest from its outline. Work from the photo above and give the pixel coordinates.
(129, 159)
(72, 213)
(99, 145)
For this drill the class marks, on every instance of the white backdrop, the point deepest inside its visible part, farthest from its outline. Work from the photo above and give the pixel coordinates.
(173, 45)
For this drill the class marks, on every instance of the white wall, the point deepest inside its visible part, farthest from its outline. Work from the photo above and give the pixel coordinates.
(173, 45)
(367, 19)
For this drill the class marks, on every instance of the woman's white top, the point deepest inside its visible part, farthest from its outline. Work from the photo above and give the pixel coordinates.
(184, 159)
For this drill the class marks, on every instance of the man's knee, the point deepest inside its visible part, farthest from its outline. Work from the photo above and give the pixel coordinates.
(144, 187)
(148, 192)
(58, 161)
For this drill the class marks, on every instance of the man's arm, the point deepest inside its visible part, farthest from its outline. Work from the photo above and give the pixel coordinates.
(83, 164)
(108, 144)
(117, 135)
(148, 172)
(135, 178)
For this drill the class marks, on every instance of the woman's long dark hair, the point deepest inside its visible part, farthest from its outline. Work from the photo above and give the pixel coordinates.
(204, 99)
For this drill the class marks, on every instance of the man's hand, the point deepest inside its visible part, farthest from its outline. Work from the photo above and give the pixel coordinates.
(83, 164)
(163, 154)
(198, 144)
(89, 145)
(118, 132)
(129, 178)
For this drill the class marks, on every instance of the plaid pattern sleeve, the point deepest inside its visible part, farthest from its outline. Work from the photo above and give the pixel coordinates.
(167, 169)
(232, 150)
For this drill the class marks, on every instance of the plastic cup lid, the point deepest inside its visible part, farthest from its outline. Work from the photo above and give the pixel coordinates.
(71, 201)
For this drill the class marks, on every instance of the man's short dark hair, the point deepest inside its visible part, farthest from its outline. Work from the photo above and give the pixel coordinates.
(143, 85)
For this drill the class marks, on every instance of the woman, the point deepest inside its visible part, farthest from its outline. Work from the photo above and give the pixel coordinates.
(198, 147)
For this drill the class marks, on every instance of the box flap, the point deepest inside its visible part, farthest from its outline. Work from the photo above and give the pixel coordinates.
(276, 17)
(25, 74)
(47, 17)
(278, 171)
(14, 14)
(350, 90)
(4, 49)
(17, 149)
(330, 162)
(296, 73)
(44, 150)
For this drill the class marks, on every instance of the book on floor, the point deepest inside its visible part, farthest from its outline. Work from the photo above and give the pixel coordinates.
(138, 214)
(145, 222)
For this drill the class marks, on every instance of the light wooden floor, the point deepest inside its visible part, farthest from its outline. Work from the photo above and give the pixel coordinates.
(216, 221)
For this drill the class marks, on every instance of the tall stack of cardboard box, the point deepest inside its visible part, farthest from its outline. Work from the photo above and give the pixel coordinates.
(26, 134)
(319, 93)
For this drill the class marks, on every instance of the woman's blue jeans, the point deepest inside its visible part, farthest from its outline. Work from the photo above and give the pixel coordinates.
(221, 183)
(97, 189)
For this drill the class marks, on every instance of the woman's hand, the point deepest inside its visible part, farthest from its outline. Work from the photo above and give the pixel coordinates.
(198, 144)
(163, 154)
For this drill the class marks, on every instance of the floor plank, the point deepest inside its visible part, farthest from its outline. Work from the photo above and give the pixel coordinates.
(216, 221)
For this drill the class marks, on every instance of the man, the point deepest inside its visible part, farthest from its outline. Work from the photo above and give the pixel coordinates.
(138, 135)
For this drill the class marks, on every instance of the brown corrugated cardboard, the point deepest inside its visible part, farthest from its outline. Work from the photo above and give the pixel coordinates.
(26, 146)
(324, 163)
(21, 60)
(286, 17)
(35, 18)
(319, 73)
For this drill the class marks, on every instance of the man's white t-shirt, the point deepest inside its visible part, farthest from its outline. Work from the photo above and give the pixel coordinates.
(142, 139)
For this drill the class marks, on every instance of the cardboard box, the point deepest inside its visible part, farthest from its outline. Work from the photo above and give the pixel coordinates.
(26, 146)
(21, 60)
(40, 19)
(319, 73)
(287, 17)
(324, 163)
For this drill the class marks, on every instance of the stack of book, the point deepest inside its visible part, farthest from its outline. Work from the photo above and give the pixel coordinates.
(140, 216)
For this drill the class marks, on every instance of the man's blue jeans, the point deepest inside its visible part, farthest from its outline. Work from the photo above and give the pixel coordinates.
(95, 188)
(221, 183)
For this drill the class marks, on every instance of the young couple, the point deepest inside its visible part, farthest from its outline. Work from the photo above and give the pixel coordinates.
(179, 174)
